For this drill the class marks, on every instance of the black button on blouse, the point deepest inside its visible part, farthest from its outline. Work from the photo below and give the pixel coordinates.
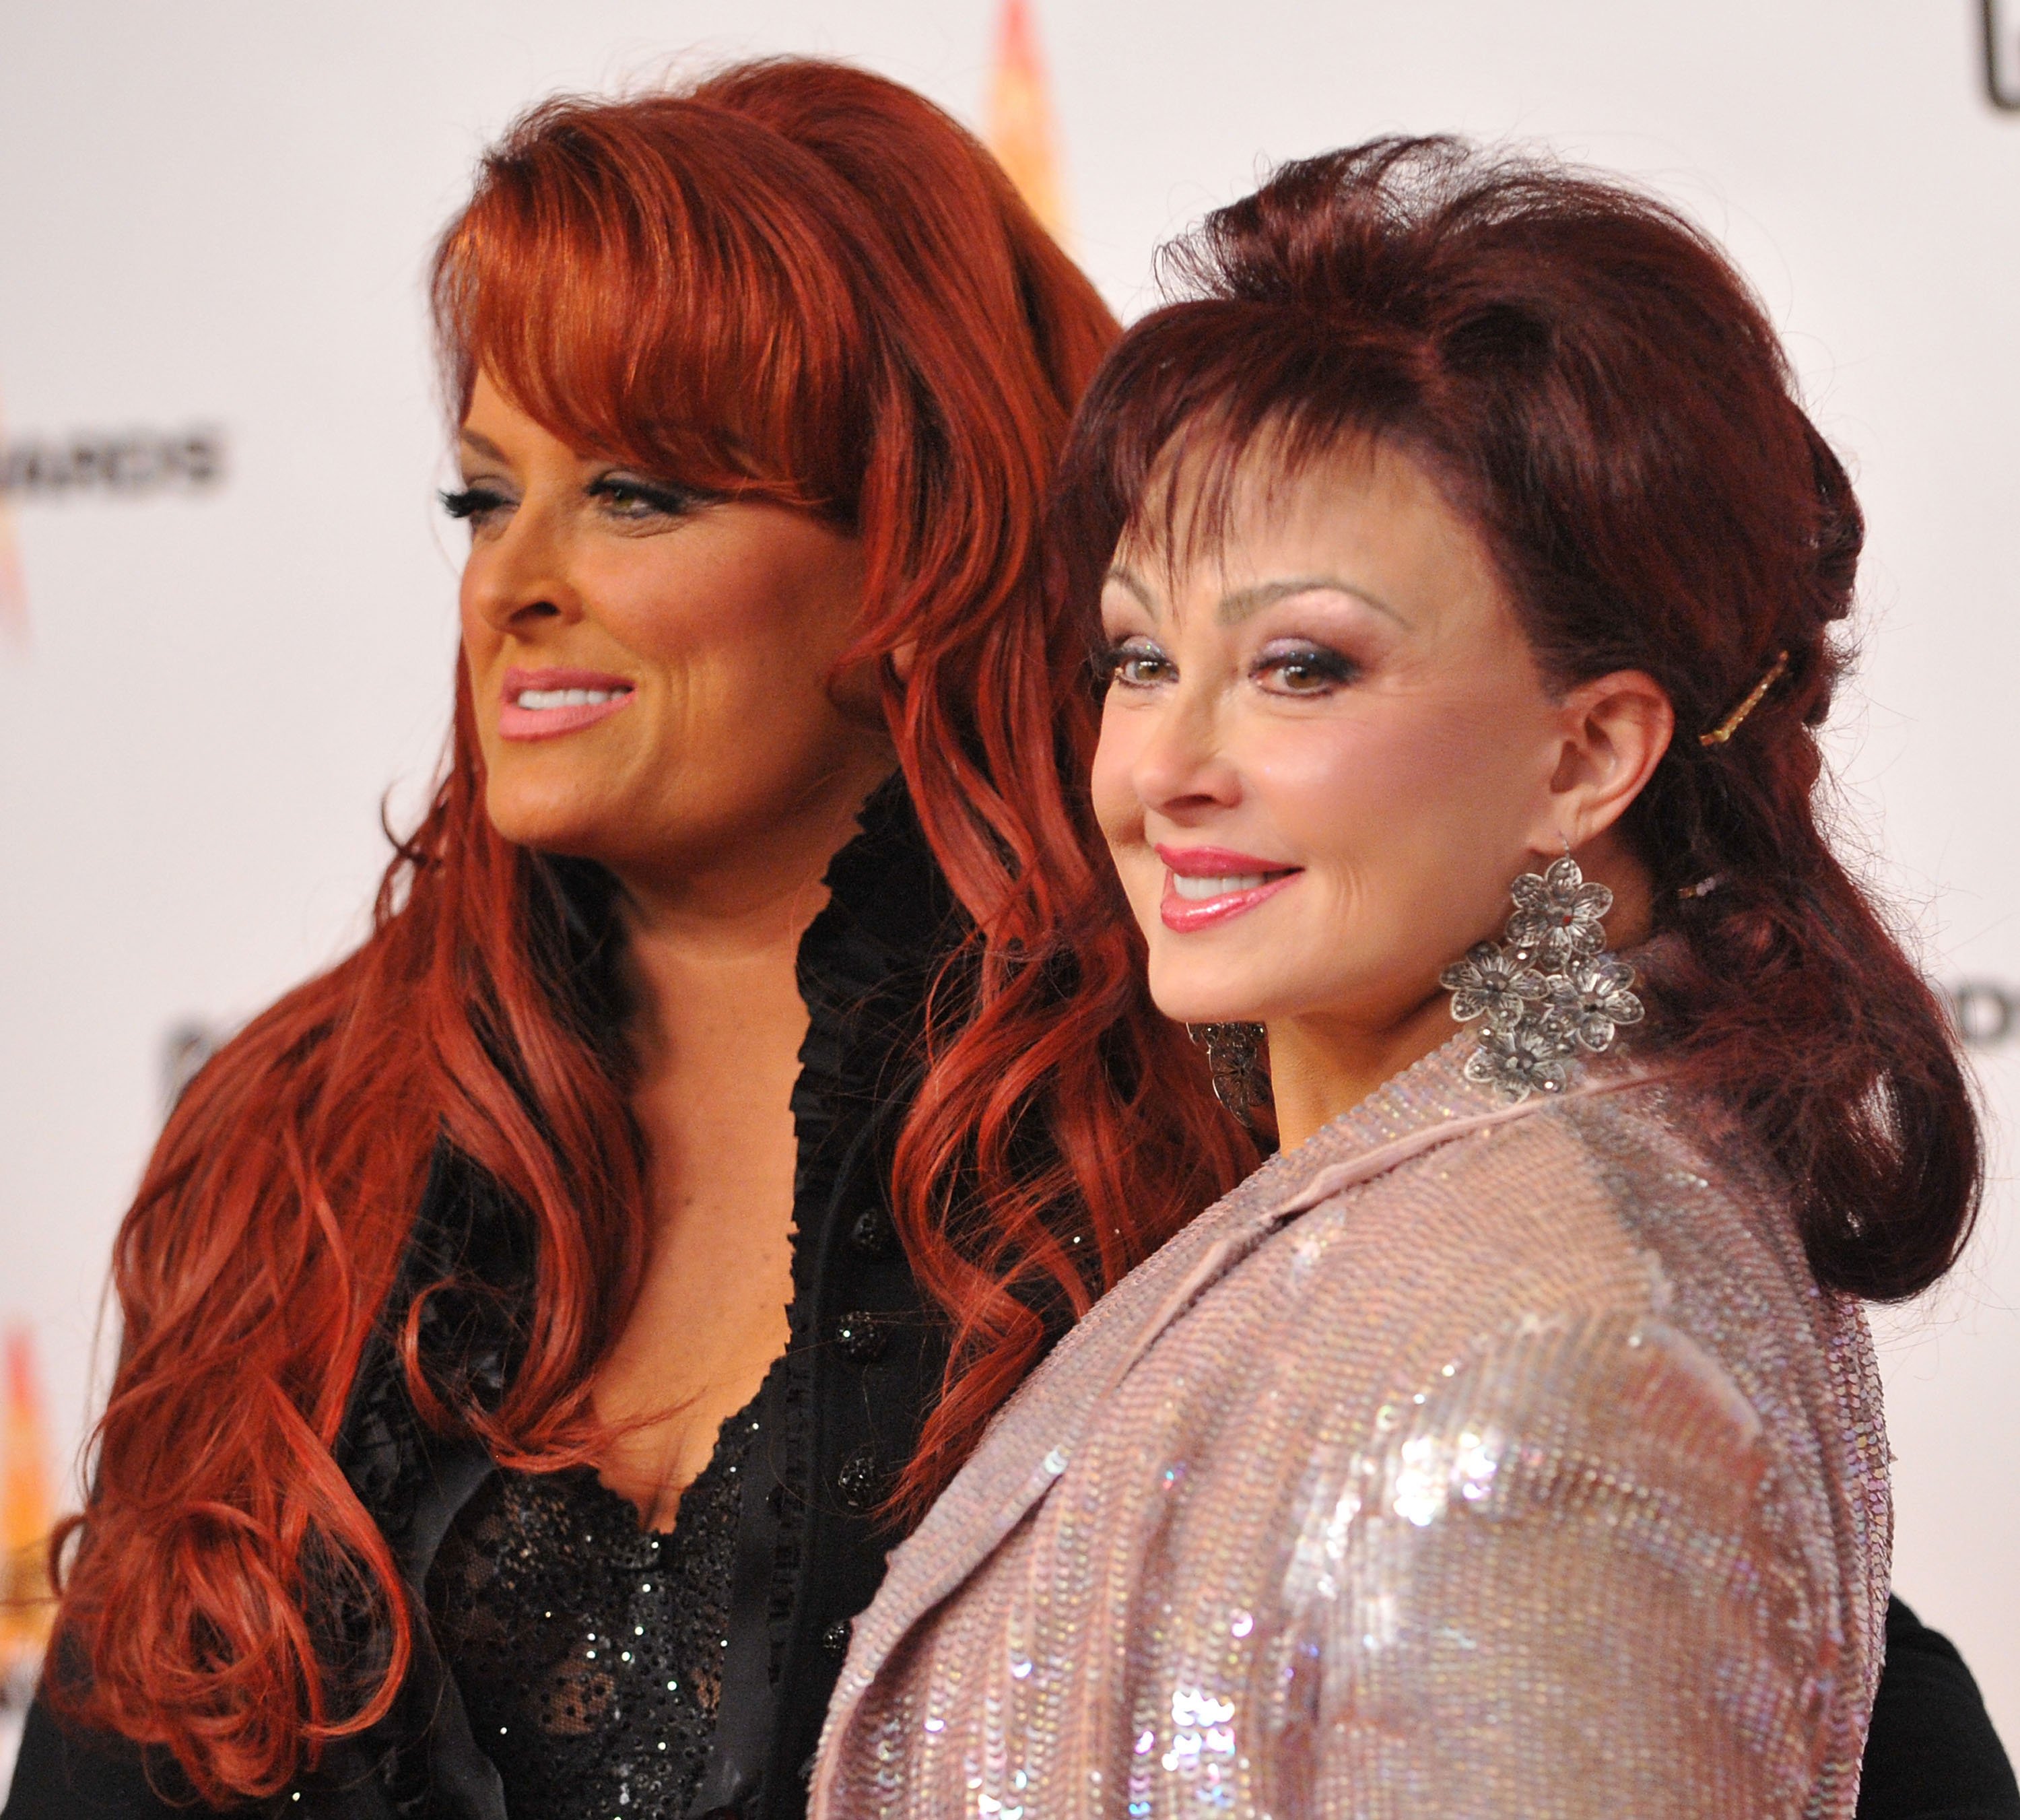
(862, 1337)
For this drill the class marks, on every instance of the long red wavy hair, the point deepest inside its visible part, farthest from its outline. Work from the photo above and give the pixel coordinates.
(794, 281)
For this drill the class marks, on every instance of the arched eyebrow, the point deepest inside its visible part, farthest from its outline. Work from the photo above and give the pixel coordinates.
(1239, 605)
(1126, 579)
(483, 444)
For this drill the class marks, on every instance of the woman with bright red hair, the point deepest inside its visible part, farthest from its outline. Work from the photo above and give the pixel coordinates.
(1464, 580)
(523, 1350)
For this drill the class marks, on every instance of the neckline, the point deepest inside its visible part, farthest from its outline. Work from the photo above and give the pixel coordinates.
(732, 1448)
(1433, 1089)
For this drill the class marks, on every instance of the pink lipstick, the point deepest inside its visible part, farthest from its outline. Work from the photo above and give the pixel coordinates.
(541, 704)
(1206, 885)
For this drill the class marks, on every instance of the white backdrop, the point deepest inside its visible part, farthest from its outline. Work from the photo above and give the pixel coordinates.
(238, 601)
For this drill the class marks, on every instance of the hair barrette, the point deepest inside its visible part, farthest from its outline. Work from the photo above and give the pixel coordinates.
(1730, 725)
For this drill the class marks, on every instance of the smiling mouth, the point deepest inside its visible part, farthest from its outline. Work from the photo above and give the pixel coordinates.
(1199, 890)
(538, 704)
(541, 701)
(1203, 886)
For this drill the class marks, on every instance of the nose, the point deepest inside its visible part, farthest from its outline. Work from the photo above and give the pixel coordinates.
(1183, 768)
(520, 577)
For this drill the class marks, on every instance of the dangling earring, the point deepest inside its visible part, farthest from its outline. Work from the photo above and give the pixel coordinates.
(1234, 1058)
(1548, 991)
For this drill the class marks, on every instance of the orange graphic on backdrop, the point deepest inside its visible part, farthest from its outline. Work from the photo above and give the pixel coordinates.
(1022, 131)
(27, 1513)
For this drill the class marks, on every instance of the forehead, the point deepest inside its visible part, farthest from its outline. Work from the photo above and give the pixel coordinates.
(497, 424)
(1363, 513)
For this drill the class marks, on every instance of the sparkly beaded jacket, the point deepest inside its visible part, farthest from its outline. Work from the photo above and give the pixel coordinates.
(1469, 1459)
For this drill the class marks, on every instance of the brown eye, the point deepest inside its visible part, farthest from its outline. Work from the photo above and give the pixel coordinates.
(1135, 663)
(1304, 671)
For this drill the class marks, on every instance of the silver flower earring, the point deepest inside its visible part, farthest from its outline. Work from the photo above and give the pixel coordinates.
(1548, 990)
(1234, 1058)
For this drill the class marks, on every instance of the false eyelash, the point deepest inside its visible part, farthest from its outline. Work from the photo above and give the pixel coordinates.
(469, 501)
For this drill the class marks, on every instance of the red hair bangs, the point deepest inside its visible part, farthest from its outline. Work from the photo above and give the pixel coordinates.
(667, 282)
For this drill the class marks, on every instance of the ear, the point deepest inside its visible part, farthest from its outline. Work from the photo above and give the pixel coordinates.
(1613, 731)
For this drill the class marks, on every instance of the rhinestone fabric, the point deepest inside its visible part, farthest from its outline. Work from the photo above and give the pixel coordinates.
(589, 1650)
(1469, 1460)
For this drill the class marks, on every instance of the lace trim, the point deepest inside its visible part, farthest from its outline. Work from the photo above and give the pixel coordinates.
(589, 1651)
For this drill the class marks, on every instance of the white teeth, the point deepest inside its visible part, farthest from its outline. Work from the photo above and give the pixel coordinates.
(1204, 888)
(539, 699)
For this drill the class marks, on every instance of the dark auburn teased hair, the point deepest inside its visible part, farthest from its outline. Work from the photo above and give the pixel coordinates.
(1599, 393)
(794, 281)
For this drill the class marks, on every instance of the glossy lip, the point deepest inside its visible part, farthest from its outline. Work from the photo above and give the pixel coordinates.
(517, 723)
(1184, 915)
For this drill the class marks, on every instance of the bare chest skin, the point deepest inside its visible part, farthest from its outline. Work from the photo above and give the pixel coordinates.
(729, 751)
(713, 1099)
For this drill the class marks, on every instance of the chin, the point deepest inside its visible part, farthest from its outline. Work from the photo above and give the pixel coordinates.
(1193, 1000)
(528, 818)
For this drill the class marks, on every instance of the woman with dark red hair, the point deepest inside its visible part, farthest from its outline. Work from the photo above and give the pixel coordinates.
(1510, 1444)
(560, 1210)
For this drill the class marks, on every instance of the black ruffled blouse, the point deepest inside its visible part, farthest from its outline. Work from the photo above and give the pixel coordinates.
(746, 1604)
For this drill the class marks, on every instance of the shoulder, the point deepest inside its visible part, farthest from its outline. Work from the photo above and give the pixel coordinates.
(1562, 1415)
(62, 1774)
(1932, 1749)
(1604, 1241)
(1593, 1320)
(1493, 1228)
(1515, 1328)
(1623, 1201)
(1486, 1284)
(1586, 1282)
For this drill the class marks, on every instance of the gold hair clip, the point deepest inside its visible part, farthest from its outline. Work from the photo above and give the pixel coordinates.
(1730, 725)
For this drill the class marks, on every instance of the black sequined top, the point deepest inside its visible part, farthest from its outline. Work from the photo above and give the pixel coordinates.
(589, 1650)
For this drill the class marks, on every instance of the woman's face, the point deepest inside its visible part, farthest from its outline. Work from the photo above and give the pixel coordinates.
(1325, 751)
(650, 671)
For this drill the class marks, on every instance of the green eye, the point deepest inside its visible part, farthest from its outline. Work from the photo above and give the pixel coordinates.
(626, 498)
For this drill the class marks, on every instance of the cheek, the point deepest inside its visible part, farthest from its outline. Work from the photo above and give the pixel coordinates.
(731, 631)
(1411, 775)
(649, 609)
